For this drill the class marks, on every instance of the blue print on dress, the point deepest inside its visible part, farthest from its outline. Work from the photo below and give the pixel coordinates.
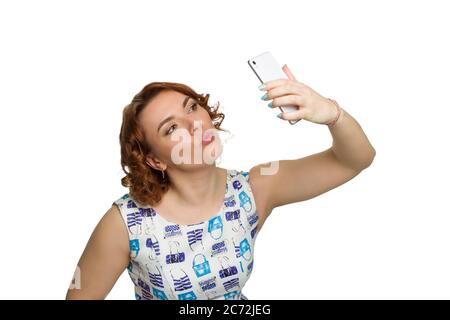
(208, 284)
(172, 231)
(231, 295)
(250, 266)
(175, 257)
(252, 219)
(187, 296)
(237, 185)
(217, 265)
(143, 285)
(200, 265)
(237, 250)
(245, 249)
(231, 283)
(237, 225)
(147, 212)
(245, 201)
(215, 227)
(153, 244)
(156, 279)
(181, 283)
(131, 204)
(134, 247)
(194, 236)
(253, 232)
(219, 247)
(232, 215)
(146, 295)
(229, 201)
(226, 271)
(134, 219)
(159, 294)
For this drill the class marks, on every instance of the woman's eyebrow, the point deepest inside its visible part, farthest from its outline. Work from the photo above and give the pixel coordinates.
(185, 101)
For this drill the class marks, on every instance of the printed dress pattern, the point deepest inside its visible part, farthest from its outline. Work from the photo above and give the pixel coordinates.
(210, 260)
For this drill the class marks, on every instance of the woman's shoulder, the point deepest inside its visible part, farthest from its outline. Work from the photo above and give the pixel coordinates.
(124, 201)
(126, 205)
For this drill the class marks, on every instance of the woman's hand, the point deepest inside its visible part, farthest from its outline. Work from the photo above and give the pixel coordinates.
(311, 105)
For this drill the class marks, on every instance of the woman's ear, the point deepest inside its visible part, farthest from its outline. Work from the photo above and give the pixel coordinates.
(153, 162)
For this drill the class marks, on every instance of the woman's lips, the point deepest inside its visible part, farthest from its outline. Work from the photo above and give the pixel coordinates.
(207, 139)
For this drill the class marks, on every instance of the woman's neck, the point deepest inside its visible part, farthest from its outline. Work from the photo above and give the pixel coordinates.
(197, 188)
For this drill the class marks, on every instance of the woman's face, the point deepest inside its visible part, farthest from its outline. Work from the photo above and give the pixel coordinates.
(174, 125)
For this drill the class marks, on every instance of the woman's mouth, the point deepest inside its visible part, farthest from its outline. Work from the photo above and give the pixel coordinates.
(207, 139)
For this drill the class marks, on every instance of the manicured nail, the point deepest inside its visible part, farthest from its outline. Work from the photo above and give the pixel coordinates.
(279, 115)
(262, 87)
(264, 97)
(270, 104)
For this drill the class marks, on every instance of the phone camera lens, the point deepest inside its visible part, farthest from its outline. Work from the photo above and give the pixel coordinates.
(254, 62)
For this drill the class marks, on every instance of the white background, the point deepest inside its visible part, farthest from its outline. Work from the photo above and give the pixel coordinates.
(67, 70)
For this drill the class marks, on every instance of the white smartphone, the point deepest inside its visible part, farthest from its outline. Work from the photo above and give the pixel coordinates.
(266, 68)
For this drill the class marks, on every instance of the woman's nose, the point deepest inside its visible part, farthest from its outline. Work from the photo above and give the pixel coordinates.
(194, 126)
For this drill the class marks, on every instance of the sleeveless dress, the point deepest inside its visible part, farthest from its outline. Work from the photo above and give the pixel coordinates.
(209, 260)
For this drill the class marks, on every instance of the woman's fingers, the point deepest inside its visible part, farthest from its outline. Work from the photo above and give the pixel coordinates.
(282, 90)
(296, 100)
(268, 85)
(293, 115)
(291, 99)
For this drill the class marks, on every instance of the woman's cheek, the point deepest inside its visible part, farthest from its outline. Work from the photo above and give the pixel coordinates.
(180, 148)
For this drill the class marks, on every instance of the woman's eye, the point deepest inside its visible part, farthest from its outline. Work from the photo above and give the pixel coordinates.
(194, 107)
(168, 131)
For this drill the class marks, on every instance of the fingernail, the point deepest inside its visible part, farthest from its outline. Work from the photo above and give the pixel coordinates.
(264, 97)
(279, 115)
(270, 104)
(262, 87)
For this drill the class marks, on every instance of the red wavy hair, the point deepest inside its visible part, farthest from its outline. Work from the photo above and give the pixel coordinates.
(145, 184)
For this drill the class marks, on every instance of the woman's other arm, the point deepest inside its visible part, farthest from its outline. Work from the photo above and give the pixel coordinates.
(105, 257)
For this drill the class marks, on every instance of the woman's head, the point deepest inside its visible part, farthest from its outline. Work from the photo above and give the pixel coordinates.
(158, 129)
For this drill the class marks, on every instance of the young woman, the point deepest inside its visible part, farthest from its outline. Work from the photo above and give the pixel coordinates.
(187, 229)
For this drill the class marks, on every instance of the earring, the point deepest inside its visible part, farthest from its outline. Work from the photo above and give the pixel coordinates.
(163, 175)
